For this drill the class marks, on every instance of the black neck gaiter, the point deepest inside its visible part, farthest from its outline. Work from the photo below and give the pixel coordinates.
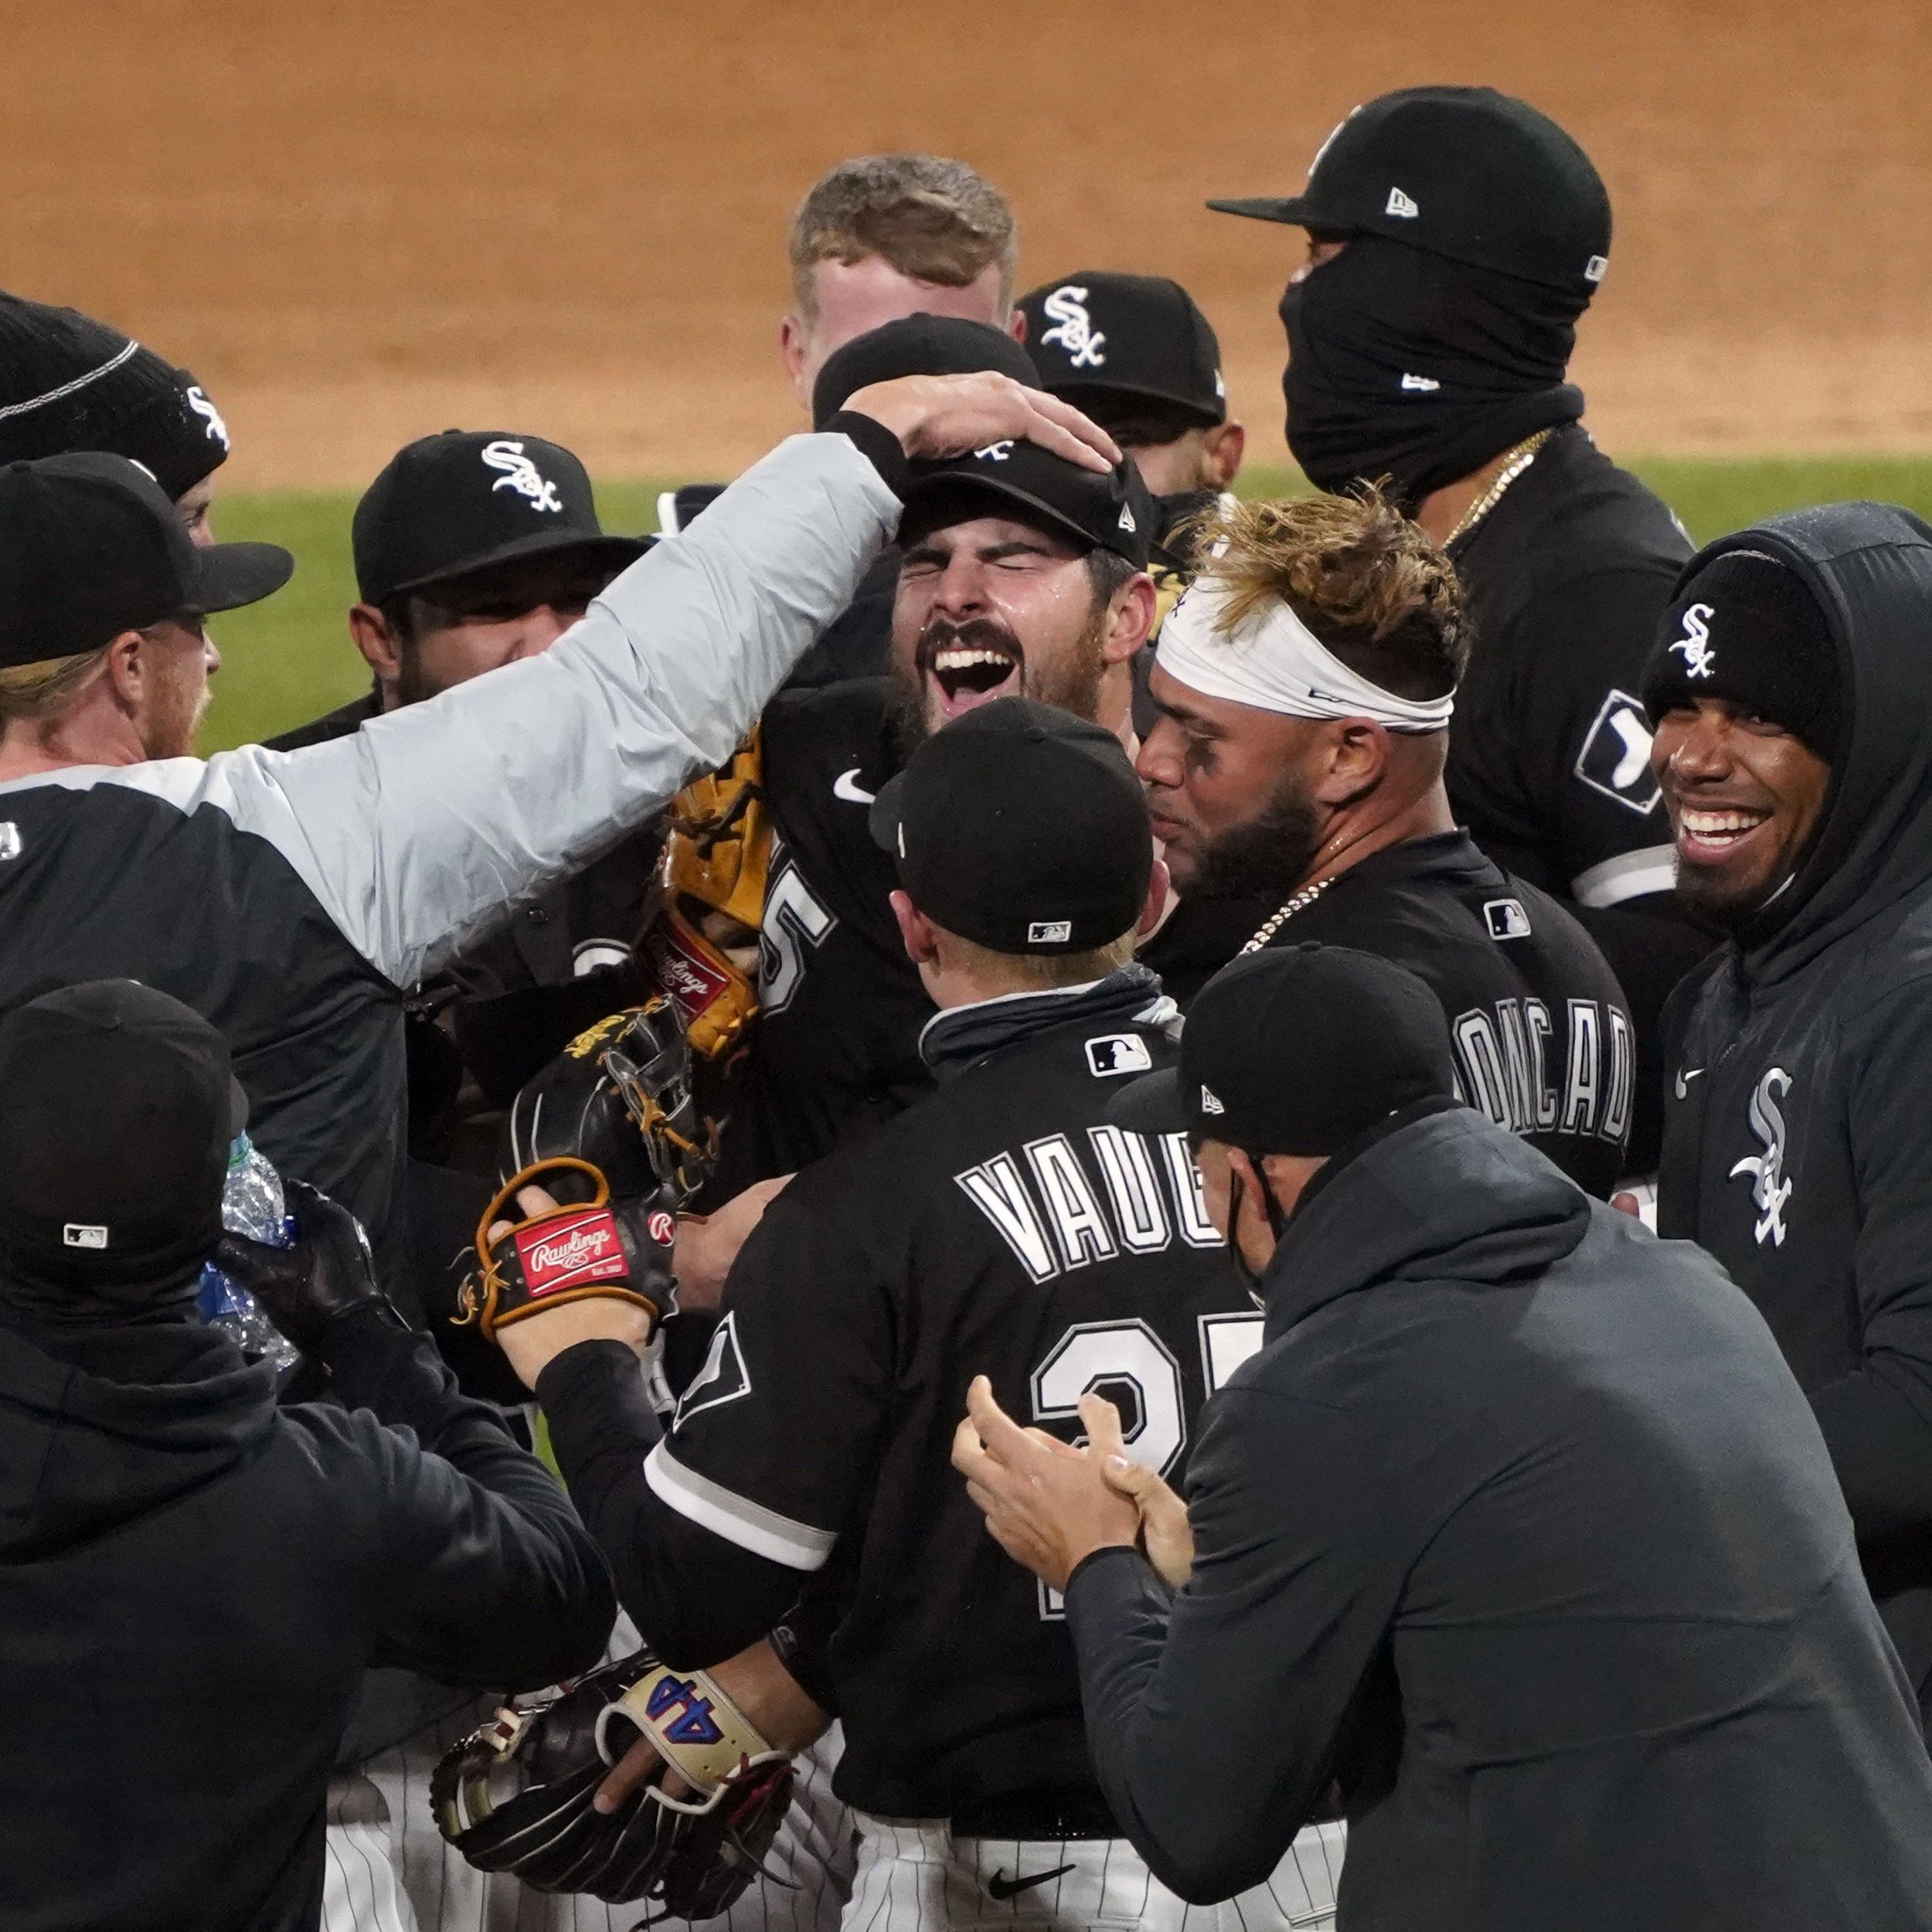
(1403, 364)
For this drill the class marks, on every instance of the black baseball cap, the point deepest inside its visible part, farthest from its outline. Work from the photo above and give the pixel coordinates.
(121, 1106)
(446, 506)
(69, 383)
(1466, 172)
(1108, 512)
(90, 546)
(1296, 1051)
(1095, 334)
(916, 345)
(1021, 827)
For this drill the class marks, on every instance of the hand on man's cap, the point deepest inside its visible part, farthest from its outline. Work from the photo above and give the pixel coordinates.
(1021, 827)
(1296, 1050)
(90, 546)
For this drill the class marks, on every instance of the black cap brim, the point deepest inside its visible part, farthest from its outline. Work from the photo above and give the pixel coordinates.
(1151, 1104)
(1207, 417)
(230, 575)
(944, 481)
(1292, 209)
(619, 552)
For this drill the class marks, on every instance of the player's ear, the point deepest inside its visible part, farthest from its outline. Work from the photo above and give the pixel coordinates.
(126, 670)
(382, 649)
(1358, 755)
(1129, 619)
(1221, 452)
(1156, 901)
(793, 341)
(917, 933)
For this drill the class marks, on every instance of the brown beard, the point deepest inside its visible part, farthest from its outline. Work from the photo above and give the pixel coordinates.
(177, 704)
(1070, 680)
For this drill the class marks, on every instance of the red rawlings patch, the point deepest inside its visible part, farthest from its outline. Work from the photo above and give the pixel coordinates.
(664, 1228)
(690, 982)
(570, 1252)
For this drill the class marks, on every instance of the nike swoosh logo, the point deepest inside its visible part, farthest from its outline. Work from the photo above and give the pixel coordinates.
(1684, 1080)
(1003, 1888)
(843, 788)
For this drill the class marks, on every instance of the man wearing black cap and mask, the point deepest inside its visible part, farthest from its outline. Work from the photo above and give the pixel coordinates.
(999, 1226)
(1516, 1536)
(68, 382)
(192, 1580)
(1789, 688)
(1455, 237)
(1020, 576)
(288, 896)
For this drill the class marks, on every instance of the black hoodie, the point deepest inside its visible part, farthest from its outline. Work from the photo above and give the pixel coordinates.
(1525, 1504)
(1797, 1148)
(192, 1583)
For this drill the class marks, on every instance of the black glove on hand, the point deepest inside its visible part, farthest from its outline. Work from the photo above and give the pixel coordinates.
(327, 1274)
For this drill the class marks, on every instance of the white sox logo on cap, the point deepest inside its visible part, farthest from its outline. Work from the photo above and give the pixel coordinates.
(520, 474)
(217, 429)
(1074, 331)
(1695, 645)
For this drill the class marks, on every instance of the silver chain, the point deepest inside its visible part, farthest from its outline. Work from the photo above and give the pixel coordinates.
(1277, 919)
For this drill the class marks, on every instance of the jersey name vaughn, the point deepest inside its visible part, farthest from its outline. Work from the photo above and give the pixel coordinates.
(1059, 1206)
(1514, 1063)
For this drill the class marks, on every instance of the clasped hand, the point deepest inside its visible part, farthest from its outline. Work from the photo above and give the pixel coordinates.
(1049, 1506)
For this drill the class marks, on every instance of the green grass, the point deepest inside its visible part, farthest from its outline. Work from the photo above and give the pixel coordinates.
(290, 659)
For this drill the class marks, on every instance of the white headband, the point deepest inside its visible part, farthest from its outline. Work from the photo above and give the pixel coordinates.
(1274, 661)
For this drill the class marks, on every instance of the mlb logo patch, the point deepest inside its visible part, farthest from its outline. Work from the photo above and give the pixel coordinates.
(9, 839)
(82, 1234)
(1506, 919)
(1049, 932)
(569, 1254)
(1117, 1053)
(1615, 759)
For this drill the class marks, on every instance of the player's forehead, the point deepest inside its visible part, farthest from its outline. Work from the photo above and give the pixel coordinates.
(851, 299)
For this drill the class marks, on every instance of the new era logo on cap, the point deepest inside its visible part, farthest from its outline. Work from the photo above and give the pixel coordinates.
(1596, 268)
(1126, 520)
(1400, 204)
(1210, 1101)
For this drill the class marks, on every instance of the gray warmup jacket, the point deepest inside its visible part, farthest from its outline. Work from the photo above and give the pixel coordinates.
(289, 897)
(1519, 1523)
(1797, 1141)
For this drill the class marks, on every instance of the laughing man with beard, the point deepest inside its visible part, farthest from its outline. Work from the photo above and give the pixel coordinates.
(1305, 685)
(1789, 687)
(1020, 578)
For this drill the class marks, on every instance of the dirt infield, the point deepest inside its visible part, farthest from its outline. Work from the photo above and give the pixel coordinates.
(361, 222)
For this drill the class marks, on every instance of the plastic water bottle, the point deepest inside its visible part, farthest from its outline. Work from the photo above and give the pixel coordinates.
(251, 1205)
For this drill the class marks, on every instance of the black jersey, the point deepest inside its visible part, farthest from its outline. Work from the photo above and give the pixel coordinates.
(998, 1228)
(1543, 1041)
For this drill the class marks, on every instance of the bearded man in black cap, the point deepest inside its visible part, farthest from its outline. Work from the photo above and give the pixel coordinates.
(68, 382)
(1455, 237)
(1515, 1538)
(191, 1579)
(1789, 687)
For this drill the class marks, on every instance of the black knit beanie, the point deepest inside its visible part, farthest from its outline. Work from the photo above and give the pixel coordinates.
(1745, 628)
(69, 383)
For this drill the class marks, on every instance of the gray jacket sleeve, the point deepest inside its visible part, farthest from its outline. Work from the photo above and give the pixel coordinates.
(1214, 1716)
(427, 823)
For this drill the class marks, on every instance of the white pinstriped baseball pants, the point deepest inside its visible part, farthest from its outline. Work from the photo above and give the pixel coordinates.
(915, 1876)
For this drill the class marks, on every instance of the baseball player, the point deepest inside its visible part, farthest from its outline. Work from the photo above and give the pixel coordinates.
(68, 382)
(1455, 237)
(998, 1227)
(1022, 575)
(1306, 684)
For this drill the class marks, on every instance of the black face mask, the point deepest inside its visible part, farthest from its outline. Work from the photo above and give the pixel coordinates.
(1405, 365)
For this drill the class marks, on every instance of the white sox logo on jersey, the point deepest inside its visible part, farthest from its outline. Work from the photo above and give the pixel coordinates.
(1075, 331)
(1695, 645)
(520, 474)
(1769, 1189)
(217, 431)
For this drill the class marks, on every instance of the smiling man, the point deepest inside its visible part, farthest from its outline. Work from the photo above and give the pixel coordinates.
(1020, 578)
(1789, 687)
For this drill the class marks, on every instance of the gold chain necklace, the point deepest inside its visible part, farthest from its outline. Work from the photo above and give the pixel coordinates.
(1275, 920)
(1515, 463)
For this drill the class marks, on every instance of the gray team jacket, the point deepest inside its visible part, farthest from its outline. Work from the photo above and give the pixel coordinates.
(1519, 1521)
(288, 896)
